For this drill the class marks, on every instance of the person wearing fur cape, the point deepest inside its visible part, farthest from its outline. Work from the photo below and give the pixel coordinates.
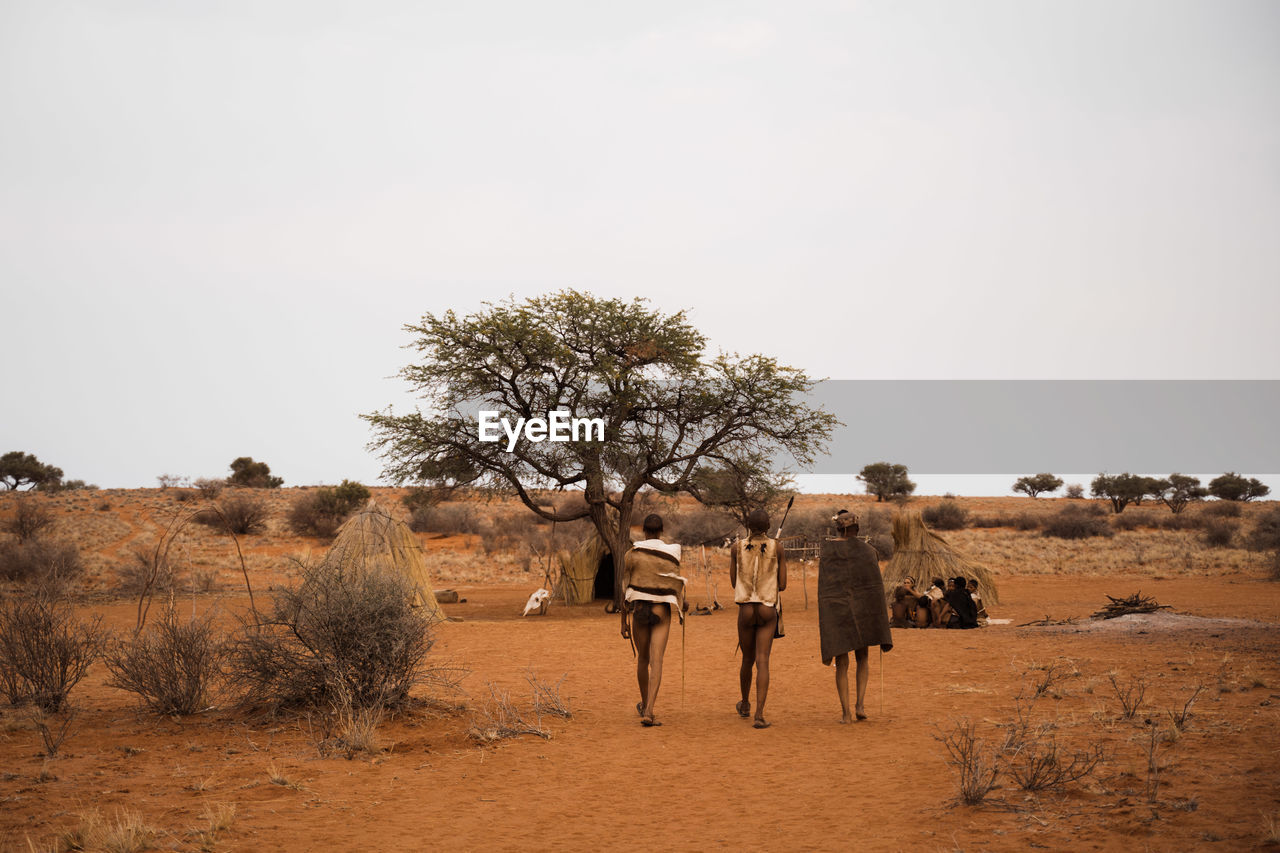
(851, 610)
(654, 589)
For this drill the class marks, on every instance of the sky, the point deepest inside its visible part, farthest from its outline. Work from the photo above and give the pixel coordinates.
(217, 217)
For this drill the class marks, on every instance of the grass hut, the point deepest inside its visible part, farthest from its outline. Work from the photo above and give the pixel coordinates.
(924, 555)
(373, 541)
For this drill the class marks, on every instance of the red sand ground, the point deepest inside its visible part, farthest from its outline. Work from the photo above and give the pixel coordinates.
(706, 779)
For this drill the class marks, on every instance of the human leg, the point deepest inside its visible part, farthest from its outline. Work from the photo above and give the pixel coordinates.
(766, 621)
(658, 634)
(640, 633)
(864, 670)
(842, 686)
(747, 642)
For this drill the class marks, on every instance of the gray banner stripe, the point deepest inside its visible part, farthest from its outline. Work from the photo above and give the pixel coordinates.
(1028, 426)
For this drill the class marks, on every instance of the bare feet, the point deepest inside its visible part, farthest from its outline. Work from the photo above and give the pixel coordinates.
(858, 712)
(846, 719)
(649, 722)
(760, 723)
(640, 708)
(744, 709)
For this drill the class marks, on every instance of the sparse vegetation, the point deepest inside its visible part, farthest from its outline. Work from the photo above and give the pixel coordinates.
(44, 650)
(30, 519)
(252, 475)
(1075, 522)
(173, 666)
(239, 514)
(50, 566)
(947, 515)
(1038, 484)
(498, 719)
(321, 511)
(974, 761)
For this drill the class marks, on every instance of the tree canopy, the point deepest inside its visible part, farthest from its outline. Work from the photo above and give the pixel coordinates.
(18, 469)
(1034, 485)
(1233, 487)
(670, 415)
(886, 480)
(254, 475)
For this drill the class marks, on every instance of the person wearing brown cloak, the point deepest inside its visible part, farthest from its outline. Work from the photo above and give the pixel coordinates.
(654, 590)
(851, 611)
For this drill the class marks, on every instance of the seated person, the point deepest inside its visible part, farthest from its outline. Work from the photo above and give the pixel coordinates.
(940, 609)
(977, 601)
(964, 614)
(903, 603)
(922, 616)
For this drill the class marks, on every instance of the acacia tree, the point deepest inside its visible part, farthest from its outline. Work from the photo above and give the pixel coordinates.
(1034, 485)
(668, 411)
(1122, 489)
(1233, 487)
(1178, 490)
(18, 469)
(886, 480)
(255, 475)
(740, 484)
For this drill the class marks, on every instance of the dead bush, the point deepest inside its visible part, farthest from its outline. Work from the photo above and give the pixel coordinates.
(498, 719)
(1073, 522)
(173, 666)
(209, 487)
(30, 519)
(50, 565)
(146, 570)
(45, 650)
(1130, 696)
(239, 514)
(1038, 765)
(975, 765)
(947, 515)
(338, 633)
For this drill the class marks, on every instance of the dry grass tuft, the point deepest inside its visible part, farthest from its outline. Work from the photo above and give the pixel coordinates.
(498, 719)
(976, 766)
(127, 833)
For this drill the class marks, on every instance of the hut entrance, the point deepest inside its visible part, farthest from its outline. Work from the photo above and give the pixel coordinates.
(604, 578)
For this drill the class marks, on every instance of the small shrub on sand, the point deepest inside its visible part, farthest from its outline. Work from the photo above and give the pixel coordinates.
(449, 519)
(975, 764)
(320, 512)
(173, 666)
(48, 564)
(1075, 523)
(1219, 533)
(45, 650)
(1220, 509)
(29, 520)
(239, 514)
(698, 527)
(336, 634)
(947, 515)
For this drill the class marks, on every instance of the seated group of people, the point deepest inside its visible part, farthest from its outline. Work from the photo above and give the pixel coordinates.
(953, 604)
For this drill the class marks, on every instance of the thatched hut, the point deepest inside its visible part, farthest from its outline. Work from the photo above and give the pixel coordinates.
(923, 554)
(373, 541)
(586, 572)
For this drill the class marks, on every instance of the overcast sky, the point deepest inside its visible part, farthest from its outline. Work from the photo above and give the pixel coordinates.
(216, 217)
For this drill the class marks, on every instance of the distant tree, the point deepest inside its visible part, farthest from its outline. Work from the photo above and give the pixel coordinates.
(1075, 490)
(1178, 490)
(1233, 487)
(254, 475)
(1039, 483)
(1120, 489)
(886, 480)
(18, 469)
(1148, 487)
(741, 483)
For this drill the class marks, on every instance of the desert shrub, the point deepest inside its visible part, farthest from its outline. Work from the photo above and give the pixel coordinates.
(49, 564)
(1181, 521)
(45, 650)
(449, 519)
(1074, 523)
(988, 521)
(975, 763)
(173, 667)
(1220, 509)
(30, 519)
(320, 512)
(698, 526)
(1027, 521)
(254, 475)
(210, 487)
(340, 636)
(947, 515)
(1075, 490)
(147, 568)
(1133, 520)
(238, 514)
(1219, 532)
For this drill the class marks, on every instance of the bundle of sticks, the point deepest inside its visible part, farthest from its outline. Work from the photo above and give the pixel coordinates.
(1136, 603)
